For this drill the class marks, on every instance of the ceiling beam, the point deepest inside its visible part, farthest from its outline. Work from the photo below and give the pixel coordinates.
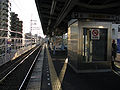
(53, 7)
(44, 9)
(60, 0)
(67, 8)
(45, 5)
(72, 3)
(90, 1)
(107, 1)
(46, 2)
(111, 5)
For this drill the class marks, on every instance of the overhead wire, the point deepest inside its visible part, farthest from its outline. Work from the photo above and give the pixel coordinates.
(21, 8)
(15, 4)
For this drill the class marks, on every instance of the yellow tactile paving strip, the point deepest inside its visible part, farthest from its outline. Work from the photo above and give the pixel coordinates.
(56, 84)
(63, 70)
(117, 59)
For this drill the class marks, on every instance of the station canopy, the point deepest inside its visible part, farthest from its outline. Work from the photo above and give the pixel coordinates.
(55, 14)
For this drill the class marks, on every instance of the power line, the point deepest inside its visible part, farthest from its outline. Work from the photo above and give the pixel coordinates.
(16, 5)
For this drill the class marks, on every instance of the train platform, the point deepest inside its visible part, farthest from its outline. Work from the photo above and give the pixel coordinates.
(15, 73)
(36, 76)
(116, 64)
(13, 54)
(52, 72)
(62, 77)
(117, 60)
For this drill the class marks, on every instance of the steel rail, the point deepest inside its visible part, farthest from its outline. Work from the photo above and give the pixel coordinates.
(29, 70)
(18, 64)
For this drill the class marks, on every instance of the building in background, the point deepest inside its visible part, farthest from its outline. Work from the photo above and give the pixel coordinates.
(32, 39)
(5, 8)
(28, 39)
(16, 31)
(16, 26)
(12, 40)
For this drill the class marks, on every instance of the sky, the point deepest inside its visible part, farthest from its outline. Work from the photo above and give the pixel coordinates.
(27, 11)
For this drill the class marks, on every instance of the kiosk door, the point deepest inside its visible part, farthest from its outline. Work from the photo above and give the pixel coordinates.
(95, 44)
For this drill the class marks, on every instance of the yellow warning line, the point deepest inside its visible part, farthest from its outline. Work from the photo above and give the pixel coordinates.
(63, 70)
(56, 84)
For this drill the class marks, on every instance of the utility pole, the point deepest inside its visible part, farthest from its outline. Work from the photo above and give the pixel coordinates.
(32, 22)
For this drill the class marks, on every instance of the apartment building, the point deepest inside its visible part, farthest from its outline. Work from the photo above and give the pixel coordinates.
(16, 31)
(5, 8)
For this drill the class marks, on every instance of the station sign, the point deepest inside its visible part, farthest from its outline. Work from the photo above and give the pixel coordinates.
(95, 34)
(97, 16)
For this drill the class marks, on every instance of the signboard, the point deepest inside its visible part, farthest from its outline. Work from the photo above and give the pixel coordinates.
(118, 28)
(118, 45)
(95, 34)
(97, 16)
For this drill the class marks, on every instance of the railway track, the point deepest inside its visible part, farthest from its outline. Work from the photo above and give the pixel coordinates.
(5, 68)
(14, 76)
